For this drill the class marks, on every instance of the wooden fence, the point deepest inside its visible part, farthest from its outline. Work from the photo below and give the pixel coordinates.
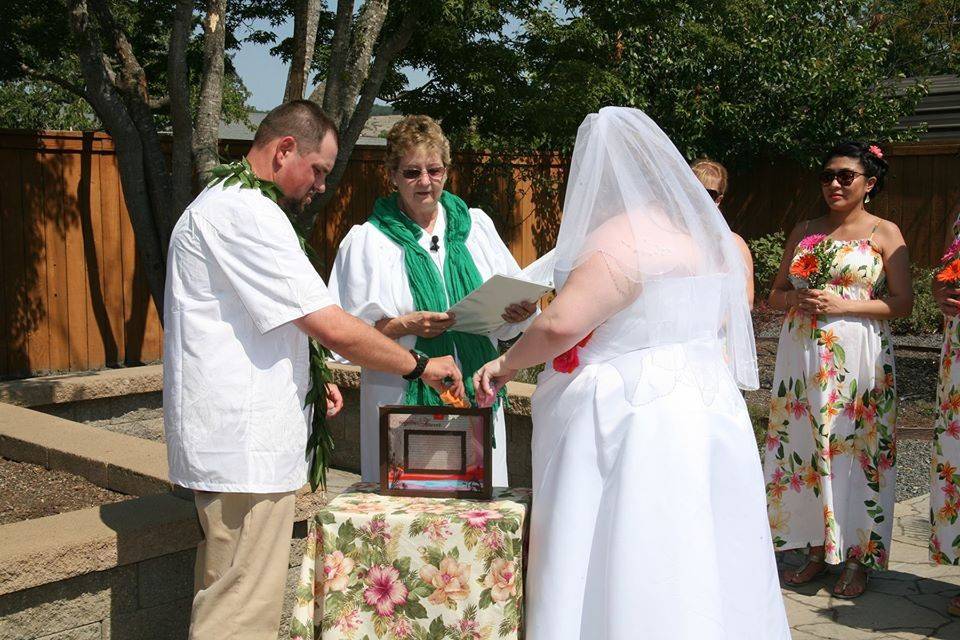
(72, 298)
(922, 195)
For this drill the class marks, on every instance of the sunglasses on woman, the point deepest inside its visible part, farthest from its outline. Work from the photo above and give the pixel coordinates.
(844, 176)
(714, 194)
(435, 173)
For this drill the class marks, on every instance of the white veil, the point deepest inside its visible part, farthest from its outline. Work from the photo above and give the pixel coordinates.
(632, 197)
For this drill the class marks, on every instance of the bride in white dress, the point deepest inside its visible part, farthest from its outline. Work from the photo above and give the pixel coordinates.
(649, 517)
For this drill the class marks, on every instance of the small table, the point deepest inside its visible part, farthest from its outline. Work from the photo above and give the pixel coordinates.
(396, 568)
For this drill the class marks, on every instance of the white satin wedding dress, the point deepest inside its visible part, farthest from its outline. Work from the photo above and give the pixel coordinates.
(649, 516)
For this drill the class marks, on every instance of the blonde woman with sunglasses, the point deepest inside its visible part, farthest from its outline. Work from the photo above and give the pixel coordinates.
(713, 176)
(830, 455)
(421, 250)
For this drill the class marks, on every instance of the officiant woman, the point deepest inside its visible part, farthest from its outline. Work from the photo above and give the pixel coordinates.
(421, 250)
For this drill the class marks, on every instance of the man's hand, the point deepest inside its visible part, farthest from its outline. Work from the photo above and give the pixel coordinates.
(442, 373)
(334, 400)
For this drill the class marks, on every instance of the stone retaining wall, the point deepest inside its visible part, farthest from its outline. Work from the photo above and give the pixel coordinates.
(125, 571)
(146, 600)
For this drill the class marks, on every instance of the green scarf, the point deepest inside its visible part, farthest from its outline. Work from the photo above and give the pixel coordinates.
(460, 276)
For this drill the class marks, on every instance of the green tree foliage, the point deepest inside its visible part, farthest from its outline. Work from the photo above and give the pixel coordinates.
(734, 79)
(42, 105)
(40, 76)
(924, 36)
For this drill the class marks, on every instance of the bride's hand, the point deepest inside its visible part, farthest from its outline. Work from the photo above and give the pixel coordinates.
(489, 379)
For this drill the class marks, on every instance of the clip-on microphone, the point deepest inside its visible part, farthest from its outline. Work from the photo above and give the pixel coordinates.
(435, 243)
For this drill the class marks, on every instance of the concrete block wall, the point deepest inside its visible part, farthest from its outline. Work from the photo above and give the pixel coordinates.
(147, 600)
(145, 591)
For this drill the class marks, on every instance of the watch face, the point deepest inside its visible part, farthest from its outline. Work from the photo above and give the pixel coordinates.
(422, 361)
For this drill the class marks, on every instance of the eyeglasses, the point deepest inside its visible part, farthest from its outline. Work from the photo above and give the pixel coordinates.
(714, 194)
(435, 173)
(845, 177)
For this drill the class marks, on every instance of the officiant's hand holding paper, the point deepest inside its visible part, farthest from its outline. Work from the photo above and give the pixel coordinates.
(519, 312)
(498, 300)
(428, 324)
(423, 324)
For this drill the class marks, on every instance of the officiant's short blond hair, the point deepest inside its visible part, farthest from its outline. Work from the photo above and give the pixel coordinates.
(412, 132)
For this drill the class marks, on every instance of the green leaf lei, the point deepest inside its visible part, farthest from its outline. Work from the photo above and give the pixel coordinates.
(320, 442)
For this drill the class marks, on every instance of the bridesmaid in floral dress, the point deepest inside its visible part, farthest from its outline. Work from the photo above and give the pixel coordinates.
(830, 456)
(944, 474)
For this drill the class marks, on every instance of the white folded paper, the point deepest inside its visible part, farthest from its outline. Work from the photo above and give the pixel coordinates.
(480, 312)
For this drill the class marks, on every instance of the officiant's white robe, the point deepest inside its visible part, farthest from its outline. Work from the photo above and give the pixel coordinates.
(369, 280)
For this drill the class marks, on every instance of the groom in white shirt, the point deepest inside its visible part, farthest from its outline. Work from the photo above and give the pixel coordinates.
(241, 299)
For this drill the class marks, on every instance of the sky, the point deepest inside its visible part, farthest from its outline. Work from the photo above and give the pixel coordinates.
(266, 75)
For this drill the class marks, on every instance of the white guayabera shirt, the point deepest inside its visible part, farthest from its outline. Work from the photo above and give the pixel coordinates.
(235, 368)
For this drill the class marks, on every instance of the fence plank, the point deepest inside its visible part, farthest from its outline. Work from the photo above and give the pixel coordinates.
(14, 289)
(35, 281)
(55, 231)
(77, 292)
(113, 276)
(99, 333)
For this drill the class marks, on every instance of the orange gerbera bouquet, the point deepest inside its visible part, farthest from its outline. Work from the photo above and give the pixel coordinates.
(949, 272)
(810, 268)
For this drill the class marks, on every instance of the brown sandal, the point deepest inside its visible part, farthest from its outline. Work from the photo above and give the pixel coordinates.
(811, 559)
(851, 569)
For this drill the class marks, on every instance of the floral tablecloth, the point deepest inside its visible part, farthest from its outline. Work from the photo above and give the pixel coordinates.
(413, 568)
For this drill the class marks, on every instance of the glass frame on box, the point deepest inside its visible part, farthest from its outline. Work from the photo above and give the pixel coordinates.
(436, 452)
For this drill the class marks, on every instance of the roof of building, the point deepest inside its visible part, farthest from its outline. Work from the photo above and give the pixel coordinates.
(939, 109)
(373, 134)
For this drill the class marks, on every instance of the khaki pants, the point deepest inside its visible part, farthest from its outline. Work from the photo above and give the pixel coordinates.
(241, 569)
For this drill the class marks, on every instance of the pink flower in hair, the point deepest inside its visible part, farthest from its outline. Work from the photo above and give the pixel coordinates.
(875, 150)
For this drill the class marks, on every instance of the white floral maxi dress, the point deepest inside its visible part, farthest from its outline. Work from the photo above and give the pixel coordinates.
(830, 455)
(944, 478)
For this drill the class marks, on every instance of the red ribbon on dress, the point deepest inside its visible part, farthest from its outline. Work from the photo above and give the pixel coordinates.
(569, 360)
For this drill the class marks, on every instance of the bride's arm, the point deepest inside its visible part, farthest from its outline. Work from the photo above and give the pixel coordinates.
(595, 290)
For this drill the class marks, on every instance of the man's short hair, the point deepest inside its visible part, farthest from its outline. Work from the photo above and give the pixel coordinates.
(302, 119)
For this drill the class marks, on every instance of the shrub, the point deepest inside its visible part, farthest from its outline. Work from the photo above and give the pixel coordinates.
(767, 252)
(926, 317)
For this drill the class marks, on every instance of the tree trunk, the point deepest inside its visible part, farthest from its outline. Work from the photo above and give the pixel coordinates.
(367, 31)
(131, 83)
(350, 131)
(206, 135)
(306, 17)
(110, 108)
(178, 83)
(328, 94)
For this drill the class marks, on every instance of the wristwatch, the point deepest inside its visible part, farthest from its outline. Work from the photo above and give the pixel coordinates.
(422, 360)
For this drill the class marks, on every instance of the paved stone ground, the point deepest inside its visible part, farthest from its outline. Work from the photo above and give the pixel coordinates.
(907, 602)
